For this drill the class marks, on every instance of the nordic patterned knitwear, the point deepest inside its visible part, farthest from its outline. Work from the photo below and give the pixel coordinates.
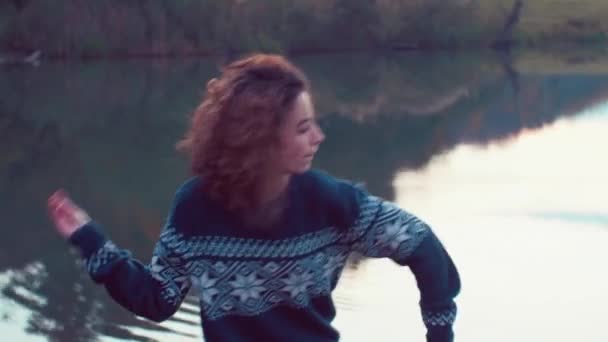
(273, 287)
(441, 318)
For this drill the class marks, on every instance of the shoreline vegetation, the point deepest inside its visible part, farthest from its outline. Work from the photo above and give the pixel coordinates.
(31, 30)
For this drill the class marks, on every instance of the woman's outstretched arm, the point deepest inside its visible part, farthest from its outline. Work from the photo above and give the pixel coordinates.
(382, 229)
(153, 291)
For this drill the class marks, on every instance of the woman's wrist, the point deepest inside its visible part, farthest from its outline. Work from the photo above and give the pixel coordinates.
(88, 238)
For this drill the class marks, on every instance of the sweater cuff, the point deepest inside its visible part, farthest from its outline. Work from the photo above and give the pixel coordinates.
(439, 324)
(88, 239)
(440, 334)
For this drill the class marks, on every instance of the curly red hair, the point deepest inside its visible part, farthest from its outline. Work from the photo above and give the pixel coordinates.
(232, 130)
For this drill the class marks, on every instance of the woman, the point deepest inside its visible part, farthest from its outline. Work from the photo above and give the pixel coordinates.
(263, 238)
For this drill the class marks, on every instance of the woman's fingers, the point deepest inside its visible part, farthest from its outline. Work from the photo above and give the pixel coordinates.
(60, 202)
(66, 215)
(56, 196)
(57, 200)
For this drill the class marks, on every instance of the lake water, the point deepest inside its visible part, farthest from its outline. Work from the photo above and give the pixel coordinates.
(503, 155)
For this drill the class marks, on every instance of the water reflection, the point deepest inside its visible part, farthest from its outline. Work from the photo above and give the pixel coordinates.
(530, 241)
(105, 131)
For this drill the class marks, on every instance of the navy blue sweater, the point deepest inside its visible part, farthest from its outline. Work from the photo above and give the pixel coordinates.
(273, 284)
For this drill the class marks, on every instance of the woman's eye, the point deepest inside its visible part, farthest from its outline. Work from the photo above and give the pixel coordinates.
(304, 129)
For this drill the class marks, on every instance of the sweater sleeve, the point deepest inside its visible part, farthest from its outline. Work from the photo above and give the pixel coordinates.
(153, 291)
(382, 229)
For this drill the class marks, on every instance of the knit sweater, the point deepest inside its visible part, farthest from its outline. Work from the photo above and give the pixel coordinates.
(273, 283)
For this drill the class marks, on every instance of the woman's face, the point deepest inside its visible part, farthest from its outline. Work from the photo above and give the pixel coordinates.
(299, 137)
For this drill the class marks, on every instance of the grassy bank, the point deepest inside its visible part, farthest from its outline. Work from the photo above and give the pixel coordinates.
(189, 27)
(564, 20)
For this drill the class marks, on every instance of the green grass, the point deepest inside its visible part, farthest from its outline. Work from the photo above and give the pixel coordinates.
(76, 28)
(552, 20)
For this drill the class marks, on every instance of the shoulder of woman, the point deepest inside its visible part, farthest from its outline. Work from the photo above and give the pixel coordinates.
(187, 202)
(189, 189)
(339, 196)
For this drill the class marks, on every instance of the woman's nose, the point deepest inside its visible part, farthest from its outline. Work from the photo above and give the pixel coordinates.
(319, 135)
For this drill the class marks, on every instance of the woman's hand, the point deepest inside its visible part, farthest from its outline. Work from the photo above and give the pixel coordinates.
(66, 216)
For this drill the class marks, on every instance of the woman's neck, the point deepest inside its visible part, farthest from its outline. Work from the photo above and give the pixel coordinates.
(272, 188)
(271, 200)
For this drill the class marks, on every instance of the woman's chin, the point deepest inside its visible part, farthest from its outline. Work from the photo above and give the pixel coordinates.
(305, 167)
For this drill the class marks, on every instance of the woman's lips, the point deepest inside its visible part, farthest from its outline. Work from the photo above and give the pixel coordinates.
(310, 155)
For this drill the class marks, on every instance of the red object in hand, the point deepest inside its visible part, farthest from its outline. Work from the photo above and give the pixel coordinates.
(66, 216)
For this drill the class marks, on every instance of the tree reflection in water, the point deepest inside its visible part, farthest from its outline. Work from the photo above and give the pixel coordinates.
(105, 131)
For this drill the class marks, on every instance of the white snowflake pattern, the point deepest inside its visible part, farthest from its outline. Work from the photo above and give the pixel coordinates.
(393, 235)
(298, 283)
(333, 263)
(207, 288)
(246, 287)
